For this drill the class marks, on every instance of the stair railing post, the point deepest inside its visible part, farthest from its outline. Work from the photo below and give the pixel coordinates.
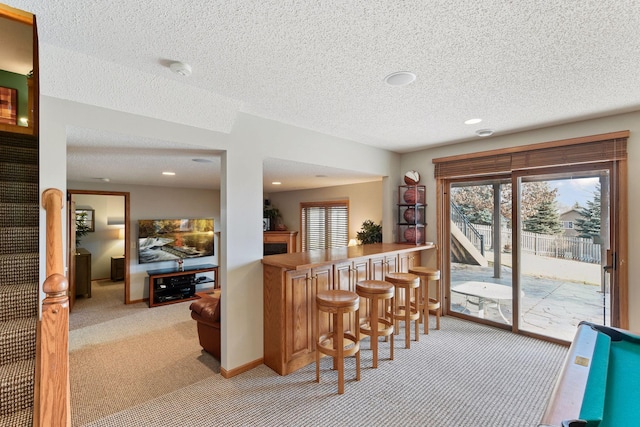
(52, 405)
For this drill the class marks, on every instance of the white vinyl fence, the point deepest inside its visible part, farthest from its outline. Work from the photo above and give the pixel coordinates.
(559, 246)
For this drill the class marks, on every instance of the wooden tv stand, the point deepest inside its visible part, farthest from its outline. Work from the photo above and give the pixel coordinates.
(170, 285)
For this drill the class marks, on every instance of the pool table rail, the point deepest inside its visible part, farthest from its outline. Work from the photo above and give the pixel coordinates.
(566, 398)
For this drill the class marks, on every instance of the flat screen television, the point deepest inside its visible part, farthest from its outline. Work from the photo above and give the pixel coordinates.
(172, 239)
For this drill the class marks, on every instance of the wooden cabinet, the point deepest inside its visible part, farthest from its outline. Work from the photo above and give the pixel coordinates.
(291, 282)
(117, 268)
(383, 264)
(289, 319)
(408, 260)
(83, 272)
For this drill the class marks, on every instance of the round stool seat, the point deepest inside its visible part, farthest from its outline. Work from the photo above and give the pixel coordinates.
(378, 293)
(338, 299)
(406, 310)
(428, 273)
(375, 287)
(427, 303)
(337, 342)
(409, 279)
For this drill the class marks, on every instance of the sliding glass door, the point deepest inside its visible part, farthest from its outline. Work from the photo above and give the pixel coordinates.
(563, 239)
(481, 249)
(535, 259)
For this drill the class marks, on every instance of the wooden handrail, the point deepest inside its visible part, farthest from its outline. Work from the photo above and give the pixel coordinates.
(52, 203)
(52, 391)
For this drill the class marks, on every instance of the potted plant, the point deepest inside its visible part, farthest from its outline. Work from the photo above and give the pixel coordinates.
(82, 228)
(272, 214)
(370, 233)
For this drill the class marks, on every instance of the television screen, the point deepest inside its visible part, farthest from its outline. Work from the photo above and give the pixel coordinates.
(173, 239)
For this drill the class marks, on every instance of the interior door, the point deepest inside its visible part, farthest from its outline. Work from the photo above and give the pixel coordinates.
(71, 274)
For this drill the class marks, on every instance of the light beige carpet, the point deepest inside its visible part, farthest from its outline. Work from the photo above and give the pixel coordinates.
(119, 362)
(463, 375)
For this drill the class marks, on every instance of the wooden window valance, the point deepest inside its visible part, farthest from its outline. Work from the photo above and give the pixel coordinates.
(589, 149)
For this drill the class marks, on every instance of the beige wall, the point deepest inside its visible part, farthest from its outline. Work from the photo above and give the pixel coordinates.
(104, 242)
(421, 161)
(147, 202)
(365, 202)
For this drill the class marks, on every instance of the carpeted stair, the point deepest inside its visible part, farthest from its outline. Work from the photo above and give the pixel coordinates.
(19, 221)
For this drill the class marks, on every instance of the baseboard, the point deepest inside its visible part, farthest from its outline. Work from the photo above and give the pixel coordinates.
(240, 369)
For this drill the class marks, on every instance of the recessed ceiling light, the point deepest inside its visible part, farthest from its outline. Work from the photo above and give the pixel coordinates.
(484, 132)
(168, 173)
(180, 68)
(202, 160)
(472, 121)
(400, 78)
(103, 179)
(276, 183)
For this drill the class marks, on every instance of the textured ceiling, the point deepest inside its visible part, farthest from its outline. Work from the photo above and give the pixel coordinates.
(320, 65)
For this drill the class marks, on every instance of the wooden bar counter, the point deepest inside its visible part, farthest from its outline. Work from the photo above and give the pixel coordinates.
(292, 280)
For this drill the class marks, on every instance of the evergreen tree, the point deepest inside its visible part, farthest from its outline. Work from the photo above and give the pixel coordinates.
(589, 224)
(545, 220)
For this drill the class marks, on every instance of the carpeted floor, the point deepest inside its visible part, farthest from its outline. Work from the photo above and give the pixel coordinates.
(463, 375)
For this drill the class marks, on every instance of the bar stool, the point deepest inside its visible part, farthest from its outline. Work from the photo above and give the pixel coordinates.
(406, 310)
(428, 304)
(379, 323)
(337, 343)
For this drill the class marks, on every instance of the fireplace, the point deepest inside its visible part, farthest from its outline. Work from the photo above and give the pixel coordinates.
(279, 242)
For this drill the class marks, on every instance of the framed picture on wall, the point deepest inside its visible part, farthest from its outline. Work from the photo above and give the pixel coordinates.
(85, 218)
(8, 106)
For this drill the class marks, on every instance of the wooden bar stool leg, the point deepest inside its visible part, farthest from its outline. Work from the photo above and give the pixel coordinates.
(407, 318)
(373, 320)
(425, 307)
(392, 310)
(417, 299)
(338, 337)
(316, 335)
(357, 334)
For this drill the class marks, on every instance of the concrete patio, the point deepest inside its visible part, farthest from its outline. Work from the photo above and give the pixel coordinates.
(558, 294)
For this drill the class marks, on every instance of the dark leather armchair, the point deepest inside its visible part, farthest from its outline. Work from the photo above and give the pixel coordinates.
(206, 311)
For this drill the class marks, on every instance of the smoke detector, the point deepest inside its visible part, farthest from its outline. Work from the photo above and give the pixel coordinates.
(180, 68)
(484, 132)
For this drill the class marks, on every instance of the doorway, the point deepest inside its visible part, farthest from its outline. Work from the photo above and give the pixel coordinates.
(106, 244)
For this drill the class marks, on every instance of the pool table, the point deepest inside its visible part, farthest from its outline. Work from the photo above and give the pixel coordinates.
(598, 384)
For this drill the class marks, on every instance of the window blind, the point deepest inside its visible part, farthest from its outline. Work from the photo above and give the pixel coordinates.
(325, 225)
(589, 149)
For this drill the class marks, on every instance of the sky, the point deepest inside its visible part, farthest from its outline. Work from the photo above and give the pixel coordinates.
(574, 190)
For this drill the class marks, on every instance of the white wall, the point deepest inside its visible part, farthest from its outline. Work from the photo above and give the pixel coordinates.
(148, 202)
(365, 202)
(241, 195)
(421, 161)
(104, 242)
